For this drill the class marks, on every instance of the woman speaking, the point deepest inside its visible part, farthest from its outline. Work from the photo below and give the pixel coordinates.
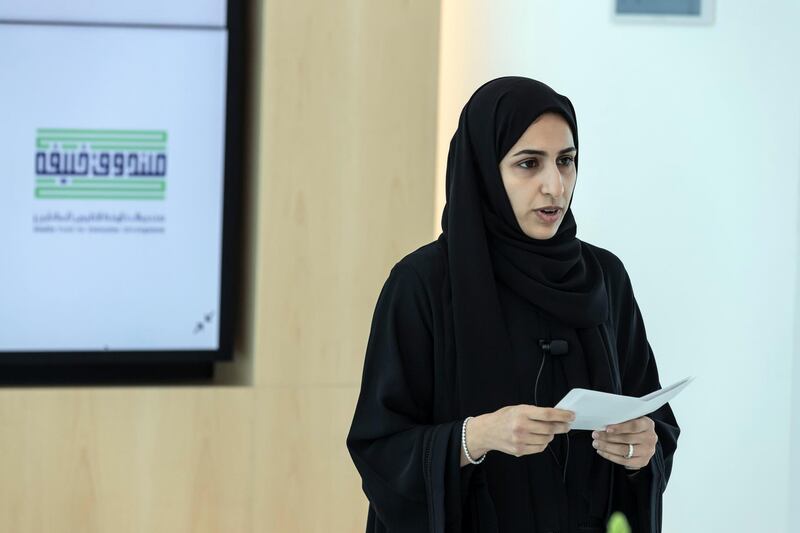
(477, 335)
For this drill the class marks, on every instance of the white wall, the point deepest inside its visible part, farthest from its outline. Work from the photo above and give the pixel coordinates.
(794, 467)
(690, 158)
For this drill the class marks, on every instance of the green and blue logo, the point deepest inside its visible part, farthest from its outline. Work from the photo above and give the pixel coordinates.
(78, 164)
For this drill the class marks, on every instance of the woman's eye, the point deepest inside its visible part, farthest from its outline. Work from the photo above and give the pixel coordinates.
(528, 163)
(566, 160)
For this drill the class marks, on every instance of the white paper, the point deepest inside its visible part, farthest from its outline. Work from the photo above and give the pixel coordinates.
(595, 410)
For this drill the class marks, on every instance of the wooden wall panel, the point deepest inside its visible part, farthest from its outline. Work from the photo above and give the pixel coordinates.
(306, 480)
(126, 460)
(348, 118)
(347, 165)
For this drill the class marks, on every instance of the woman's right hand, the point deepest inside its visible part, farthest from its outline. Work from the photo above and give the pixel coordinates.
(516, 430)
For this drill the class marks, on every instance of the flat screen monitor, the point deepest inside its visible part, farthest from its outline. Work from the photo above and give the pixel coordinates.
(120, 162)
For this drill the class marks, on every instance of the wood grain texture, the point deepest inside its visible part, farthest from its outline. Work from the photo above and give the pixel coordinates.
(347, 175)
(306, 480)
(126, 460)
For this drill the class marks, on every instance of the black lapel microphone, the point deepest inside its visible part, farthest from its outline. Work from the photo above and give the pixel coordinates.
(549, 347)
(554, 347)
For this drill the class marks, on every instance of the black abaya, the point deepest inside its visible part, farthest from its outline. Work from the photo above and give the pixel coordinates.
(405, 437)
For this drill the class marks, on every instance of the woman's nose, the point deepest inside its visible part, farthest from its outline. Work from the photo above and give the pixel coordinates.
(552, 182)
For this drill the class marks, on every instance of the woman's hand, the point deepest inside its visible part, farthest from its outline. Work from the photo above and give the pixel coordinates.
(516, 430)
(613, 442)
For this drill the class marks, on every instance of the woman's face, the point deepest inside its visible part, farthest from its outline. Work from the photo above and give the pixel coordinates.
(539, 173)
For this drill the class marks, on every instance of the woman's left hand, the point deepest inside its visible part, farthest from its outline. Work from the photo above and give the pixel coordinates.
(613, 442)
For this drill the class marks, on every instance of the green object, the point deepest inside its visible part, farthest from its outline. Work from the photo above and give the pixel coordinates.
(618, 523)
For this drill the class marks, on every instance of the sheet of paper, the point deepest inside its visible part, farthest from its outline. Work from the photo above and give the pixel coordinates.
(595, 410)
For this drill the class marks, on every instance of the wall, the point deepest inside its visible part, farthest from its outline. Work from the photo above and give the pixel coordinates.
(341, 157)
(794, 418)
(348, 118)
(690, 157)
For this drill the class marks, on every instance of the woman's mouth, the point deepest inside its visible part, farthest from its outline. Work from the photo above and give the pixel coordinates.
(548, 215)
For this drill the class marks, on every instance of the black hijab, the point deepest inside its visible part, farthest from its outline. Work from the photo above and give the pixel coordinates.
(485, 243)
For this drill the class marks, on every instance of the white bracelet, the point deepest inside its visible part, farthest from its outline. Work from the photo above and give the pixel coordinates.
(464, 444)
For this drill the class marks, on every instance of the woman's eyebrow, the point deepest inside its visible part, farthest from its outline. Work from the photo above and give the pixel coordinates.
(541, 152)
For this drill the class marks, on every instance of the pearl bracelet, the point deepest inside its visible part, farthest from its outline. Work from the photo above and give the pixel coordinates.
(464, 444)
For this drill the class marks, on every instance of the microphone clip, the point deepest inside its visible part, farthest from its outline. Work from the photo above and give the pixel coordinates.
(544, 344)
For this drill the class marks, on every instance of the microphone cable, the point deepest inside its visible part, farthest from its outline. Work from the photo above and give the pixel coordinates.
(545, 346)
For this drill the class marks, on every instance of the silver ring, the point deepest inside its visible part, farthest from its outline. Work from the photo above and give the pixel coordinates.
(630, 451)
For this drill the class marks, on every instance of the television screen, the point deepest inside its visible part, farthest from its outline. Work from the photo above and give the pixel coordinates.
(114, 119)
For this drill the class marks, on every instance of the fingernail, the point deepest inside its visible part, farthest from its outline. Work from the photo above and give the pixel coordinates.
(610, 430)
(594, 434)
(595, 444)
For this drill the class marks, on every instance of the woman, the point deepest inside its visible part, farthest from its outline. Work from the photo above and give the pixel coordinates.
(477, 335)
